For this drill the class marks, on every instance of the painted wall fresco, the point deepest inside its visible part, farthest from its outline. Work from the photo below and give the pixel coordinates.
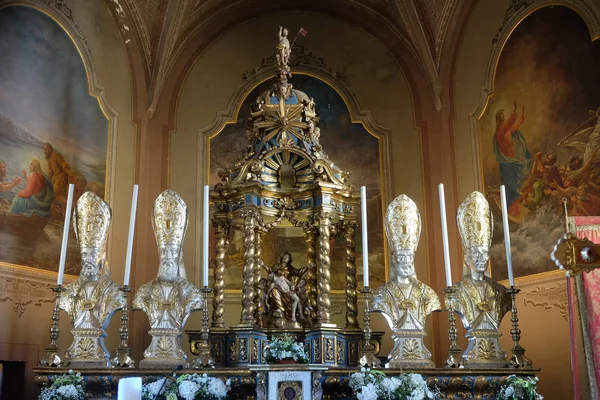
(540, 135)
(52, 133)
(349, 146)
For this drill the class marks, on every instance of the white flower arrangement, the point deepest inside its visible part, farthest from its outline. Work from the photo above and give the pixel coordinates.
(374, 385)
(187, 387)
(517, 388)
(286, 348)
(66, 387)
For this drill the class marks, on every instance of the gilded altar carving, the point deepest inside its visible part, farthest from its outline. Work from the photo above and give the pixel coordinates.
(404, 300)
(92, 299)
(480, 301)
(168, 299)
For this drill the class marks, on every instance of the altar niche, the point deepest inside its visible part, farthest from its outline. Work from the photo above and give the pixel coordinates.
(284, 184)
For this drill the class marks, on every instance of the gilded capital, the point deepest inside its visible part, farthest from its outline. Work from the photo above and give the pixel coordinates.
(475, 221)
(403, 224)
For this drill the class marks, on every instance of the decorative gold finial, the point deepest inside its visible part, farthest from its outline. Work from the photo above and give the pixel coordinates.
(475, 221)
(91, 220)
(169, 219)
(403, 224)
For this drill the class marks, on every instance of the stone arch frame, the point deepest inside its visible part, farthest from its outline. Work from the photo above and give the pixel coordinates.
(589, 14)
(230, 115)
(62, 15)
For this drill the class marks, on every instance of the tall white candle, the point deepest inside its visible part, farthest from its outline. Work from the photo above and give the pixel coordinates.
(365, 240)
(205, 238)
(134, 200)
(511, 278)
(445, 235)
(65, 238)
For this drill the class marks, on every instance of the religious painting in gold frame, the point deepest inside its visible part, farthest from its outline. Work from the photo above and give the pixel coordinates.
(540, 136)
(350, 145)
(53, 132)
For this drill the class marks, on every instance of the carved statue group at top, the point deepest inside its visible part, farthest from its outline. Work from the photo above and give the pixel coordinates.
(92, 299)
(404, 300)
(480, 301)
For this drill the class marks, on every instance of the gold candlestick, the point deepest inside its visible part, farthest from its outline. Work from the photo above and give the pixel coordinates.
(518, 359)
(52, 359)
(204, 359)
(123, 359)
(368, 358)
(455, 358)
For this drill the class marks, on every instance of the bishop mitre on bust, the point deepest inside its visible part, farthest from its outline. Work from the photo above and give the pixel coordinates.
(93, 298)
(404, 300)
(480, 301)
(168, 299)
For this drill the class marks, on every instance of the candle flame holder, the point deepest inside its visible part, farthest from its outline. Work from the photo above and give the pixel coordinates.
(518, 359)
(455, 358)
(122, 358)
(52, 358)
(204, 359)
(368, 359)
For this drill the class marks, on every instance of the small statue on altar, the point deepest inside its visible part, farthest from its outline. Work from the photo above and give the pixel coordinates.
(404, 300)
(284, 294)
(283, 48)
(93, 298)
(480, 301)
(169, 299)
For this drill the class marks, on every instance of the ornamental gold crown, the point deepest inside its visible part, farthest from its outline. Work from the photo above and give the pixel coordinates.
(403, 224)
(169, 219)
(91, 221)
(475, 221)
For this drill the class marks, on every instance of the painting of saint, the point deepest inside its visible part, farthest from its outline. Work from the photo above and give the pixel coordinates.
(349, 145)
(540, 136)
(52, 133)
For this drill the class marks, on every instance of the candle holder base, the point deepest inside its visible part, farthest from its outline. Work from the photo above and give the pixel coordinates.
(204, 359)
(52, 358)
(122, 358)
(518, 359)
(455, 358)
(369, 358)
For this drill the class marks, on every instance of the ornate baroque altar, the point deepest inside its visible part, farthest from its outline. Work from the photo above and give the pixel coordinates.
(285, 179)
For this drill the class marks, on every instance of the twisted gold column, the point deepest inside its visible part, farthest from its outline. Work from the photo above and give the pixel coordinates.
(311, 276)
(351, 295)
(221, 232)
(323, 265)
(257, 264)
(247, 317)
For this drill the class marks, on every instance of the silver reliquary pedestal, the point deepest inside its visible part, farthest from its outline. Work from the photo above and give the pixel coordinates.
(404, 300)
(480, 301)
(93, 298)
(169, 299)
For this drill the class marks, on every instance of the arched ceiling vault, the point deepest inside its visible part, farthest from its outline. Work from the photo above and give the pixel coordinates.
(161, 31)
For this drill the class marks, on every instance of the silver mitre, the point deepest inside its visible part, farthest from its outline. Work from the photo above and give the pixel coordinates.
(404, 300)
(91, 300)
(480, 301)
(168, 299)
